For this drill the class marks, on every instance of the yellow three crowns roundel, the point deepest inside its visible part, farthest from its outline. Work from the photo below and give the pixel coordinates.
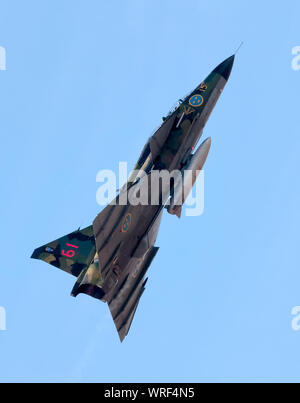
(126, 223)
(196, 100)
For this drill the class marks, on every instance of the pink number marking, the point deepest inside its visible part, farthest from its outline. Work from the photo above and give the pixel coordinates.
(72, 246)
(70, 253)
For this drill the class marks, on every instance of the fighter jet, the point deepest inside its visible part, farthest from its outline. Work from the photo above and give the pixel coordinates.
(110, 258)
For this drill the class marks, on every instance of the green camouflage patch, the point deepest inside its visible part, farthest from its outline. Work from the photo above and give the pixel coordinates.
(71, 253)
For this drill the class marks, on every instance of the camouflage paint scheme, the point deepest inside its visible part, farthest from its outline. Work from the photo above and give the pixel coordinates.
(56, 252)
(111, 257)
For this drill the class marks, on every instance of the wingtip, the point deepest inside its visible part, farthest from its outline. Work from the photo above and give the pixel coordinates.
(34, 254)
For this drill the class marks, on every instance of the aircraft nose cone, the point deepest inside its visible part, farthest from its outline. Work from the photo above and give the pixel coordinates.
(224, 69)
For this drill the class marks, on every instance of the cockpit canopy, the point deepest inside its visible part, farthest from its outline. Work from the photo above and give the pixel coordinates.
(174, 108)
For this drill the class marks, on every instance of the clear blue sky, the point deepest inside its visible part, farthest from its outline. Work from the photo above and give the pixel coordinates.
(86, 83)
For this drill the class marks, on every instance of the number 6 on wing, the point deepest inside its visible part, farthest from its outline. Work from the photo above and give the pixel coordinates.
(70, 253)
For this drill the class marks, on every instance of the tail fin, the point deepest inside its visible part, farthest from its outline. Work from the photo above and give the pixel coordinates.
(71, 253)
